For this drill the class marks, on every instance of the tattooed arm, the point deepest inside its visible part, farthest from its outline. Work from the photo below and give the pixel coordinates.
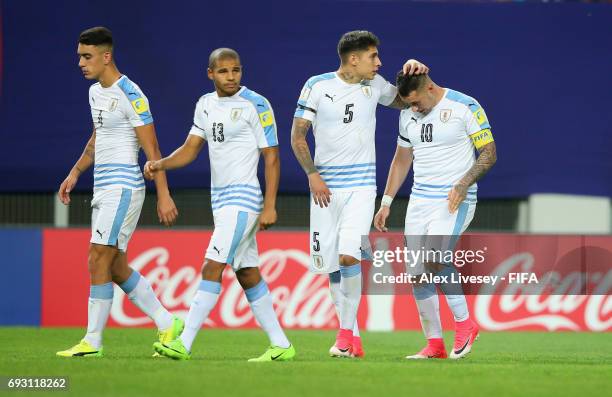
(299, 130)
(398, 103)
(320, 191)
(82, 164)
(486, 159)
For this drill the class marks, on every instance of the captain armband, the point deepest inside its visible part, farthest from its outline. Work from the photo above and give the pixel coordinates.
(481, 138)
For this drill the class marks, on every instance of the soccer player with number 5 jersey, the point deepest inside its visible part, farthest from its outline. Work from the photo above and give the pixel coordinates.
(341, 107)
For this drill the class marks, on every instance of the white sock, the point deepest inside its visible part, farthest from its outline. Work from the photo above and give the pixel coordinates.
(139, 291)
(454, 295)
(98, 310)
(263, 309)
(458, 306)
(350, 288)
(428, 305)
(204, 301)
(336, 296)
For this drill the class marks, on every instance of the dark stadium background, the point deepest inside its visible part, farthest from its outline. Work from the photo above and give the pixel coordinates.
(540, 71)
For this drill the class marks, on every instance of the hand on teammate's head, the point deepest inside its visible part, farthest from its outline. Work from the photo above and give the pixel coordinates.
(412, 66)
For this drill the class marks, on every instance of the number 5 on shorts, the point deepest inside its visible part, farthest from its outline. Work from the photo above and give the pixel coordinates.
(316, 246)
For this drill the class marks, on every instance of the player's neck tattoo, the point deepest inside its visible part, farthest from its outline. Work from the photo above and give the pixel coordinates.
(348, 77)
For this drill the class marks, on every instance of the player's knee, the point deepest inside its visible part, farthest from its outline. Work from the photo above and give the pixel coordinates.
(212, 270)
(248, 277)
(347, 260)
(120, 272)
(100, 259)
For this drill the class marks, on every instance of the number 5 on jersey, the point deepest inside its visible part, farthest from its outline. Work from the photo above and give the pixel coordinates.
(348, 113)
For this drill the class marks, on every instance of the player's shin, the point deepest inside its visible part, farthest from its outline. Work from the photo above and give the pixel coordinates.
(204, 301)
(139, 291)
(454, 294)
(98, 310)
(336, 296)
(428, 306)
(350, 287)
(334, 291)
(261, 304)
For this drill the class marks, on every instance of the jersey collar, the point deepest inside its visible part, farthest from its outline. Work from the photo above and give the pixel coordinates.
(233, 97)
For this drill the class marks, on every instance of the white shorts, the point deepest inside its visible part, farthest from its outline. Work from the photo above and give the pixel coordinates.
(337, 230)
(114, 216)
(233, 241)
(429, 225)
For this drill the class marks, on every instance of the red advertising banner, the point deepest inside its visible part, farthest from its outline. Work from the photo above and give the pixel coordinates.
(171, 260)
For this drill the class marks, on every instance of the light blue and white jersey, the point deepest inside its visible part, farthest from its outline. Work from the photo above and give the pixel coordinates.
(443, 142)
(115, 111)
(236, 129)
(343, 120)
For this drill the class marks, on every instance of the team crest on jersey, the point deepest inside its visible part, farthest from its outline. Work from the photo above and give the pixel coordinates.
(235, 114)
(317, 261)
(113, 104)
(367, 90)
(445, 115)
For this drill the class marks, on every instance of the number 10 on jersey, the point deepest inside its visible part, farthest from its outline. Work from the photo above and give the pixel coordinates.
(426, 132)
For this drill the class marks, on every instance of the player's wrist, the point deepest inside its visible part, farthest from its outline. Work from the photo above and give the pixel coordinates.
(75, 172)
(269, 207)
(163, 194)
(160, 165)
(461, 186)
(386, 201)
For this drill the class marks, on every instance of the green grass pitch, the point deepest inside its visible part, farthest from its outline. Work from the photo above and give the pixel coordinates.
(501, 364)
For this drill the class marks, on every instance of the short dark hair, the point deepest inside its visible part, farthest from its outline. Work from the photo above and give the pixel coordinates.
(407, 83)
(222, 53)
(357, 40)
(96, 36)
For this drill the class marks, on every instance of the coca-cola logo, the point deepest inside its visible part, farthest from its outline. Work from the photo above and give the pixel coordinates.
(514, 305)
(301, 299)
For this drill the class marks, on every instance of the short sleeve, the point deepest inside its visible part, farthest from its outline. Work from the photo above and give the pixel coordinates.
(136, 105)
(476, 119)
(308, 103)
(402, 138)
(477, 126)
(264, 125)
(199, 120)
(388, 91)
